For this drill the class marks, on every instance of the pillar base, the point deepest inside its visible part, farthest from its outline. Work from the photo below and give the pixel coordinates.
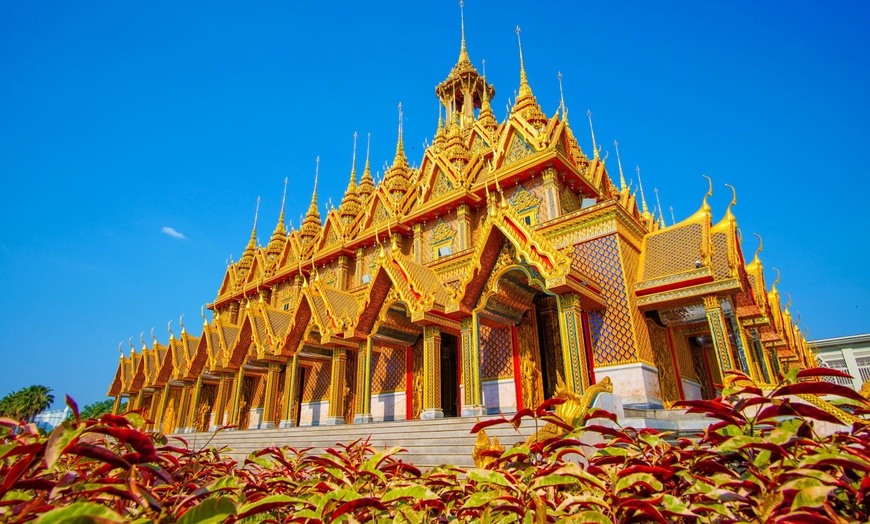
(432, 413)
(334, 421)
(473, 411)
(286, 424)
(267, 425)
(186, 430)
(362, 419)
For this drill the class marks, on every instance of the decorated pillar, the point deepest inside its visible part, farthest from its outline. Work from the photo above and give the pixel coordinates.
(337, 386)
(220, 402)
(116, 405)
(235, 407)
(360, 263)
(341, 272)
(767, 370)
(431, 373)
(418, 243)
(574, 368)
(271, 396)
(551, 192)
(555, 349)
(157, 409)
(464, 221)
(472, 392)
(291, 381)
(363, 409)
(192, 422)
(721, 344)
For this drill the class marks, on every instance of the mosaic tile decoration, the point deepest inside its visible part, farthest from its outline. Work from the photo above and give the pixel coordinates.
(496, 353)
(388, 370)
(317, 379)
(611, 327)
(673, 251)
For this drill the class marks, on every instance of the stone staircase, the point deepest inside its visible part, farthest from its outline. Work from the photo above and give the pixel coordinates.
(428, 443)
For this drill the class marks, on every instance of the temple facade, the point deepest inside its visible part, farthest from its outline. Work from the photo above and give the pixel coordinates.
(506, 267)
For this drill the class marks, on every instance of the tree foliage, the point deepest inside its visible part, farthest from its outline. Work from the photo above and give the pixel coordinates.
(26, 403)
(762, 460)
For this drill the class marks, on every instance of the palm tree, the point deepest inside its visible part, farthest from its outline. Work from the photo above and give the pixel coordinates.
(36, 399)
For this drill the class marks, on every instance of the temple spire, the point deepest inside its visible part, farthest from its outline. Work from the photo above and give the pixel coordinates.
(618, 160)
(279, 235)
(642, 197)
(562, 99)
(400, 159)
(463, 53)
(525, 90)
(311, 223)
(353, 164)
(659, 205)
(592, 130)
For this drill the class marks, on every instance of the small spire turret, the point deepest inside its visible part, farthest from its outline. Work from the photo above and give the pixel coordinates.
(366, 184)
(279, 236)
(350, 204)
(592, 131)
(622, 186)
(396, 178)
(526, 104)
(311, 224)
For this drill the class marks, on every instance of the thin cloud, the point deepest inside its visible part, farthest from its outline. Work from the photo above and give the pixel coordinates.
(173, 233)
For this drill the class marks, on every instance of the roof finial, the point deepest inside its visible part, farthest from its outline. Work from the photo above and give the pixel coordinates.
(562, 99)
(733, 199)
(618, 160)
(463, 54)
(142, 339)
(202, 314)
(353, 162)
(704, 204)
(283, 200)
(673, 220)
(181, 323)
(594, 147)
(316, 174)
(787, 304)
(524, 81)
(169, 328)
(760, 246)
(121, 351)
(368, 150)
(659, 205)
(775, 282)
(640, 185)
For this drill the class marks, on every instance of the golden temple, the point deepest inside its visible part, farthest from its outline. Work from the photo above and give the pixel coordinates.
(507, 265)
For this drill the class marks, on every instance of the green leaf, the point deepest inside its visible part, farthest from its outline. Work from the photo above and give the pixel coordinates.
(638, 478)
(488, 477)
(135, 419)
(553, 480)
(736, 442)
(593, 517)
(674, 505)
(785, 431)
(480, 498)
(60, 438)
(415, 492)
(266, 503)
(79, 512)
(208, 511)
(15, 494)
(813, 497)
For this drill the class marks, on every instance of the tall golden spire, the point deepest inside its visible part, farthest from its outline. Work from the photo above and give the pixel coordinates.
(486, 116)
(463, 53)
(592, 130)
(525, 90)
(311, 224)
(400, 159)
(251, 248)
(618, 161)
(659, 205)
(525, 104)
(396, 177)
(642, 197)
(366, 184)
(279, 236)
(350, 204)
(562, 99)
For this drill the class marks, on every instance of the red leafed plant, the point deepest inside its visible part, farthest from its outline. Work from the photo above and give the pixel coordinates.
(763, 459)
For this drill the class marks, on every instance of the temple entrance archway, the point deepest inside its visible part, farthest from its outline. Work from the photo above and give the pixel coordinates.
(449, 375)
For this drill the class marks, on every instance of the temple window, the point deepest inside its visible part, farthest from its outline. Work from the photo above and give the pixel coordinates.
(442, 239)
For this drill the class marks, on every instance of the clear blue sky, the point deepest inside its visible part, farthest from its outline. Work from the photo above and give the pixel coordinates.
(117, 120)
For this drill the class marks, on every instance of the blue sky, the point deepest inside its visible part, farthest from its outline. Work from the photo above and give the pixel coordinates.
(120, 120)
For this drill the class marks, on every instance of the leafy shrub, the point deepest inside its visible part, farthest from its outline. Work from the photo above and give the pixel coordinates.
(762, 460)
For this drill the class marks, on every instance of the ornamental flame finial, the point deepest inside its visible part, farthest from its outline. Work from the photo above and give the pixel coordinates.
(618, 159)
(592, 130)
(642, 197)
(562, 100)
(760, 244)
(733, 199)
(704, 204)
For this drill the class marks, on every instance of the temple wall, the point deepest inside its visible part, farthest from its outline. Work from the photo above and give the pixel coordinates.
(313, 413)
(389, 406)
(500, 396)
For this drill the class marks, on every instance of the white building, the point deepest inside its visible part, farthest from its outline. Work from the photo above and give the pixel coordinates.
(850, 354)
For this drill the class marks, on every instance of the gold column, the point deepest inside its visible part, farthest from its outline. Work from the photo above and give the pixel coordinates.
(116, 405)
(267, 421)
(721, 344)
(573, 367)
(554, 343)
(360, 262)
(237, 398)
(363, 409)
(431, 373)
(337, 387)
(766, 365)
(472, 394)
(341, 272)
(551, 192)
(418, 243)
(291, 379)
(194, 404)
(464, 226)
(161, 413)
(183, 413)
(220, 402)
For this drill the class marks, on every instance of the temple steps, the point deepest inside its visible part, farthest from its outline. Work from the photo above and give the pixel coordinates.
(428, 443)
